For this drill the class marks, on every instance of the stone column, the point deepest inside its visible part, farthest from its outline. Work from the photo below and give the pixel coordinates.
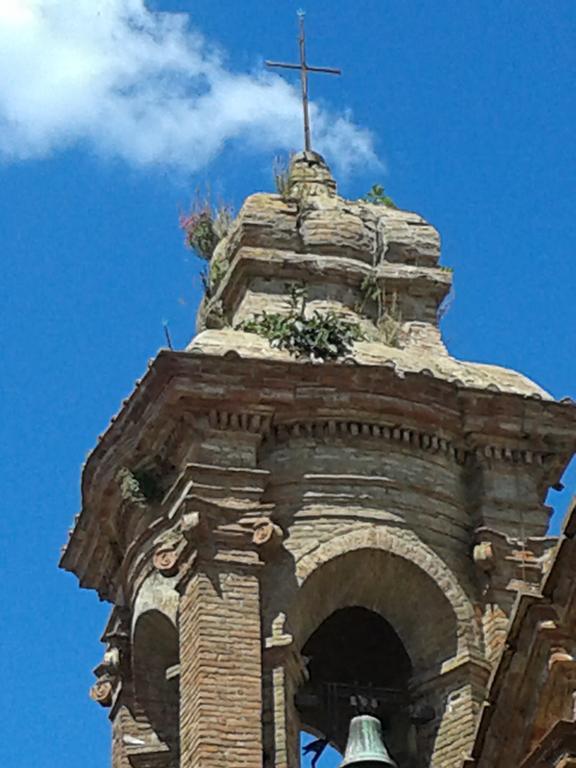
(284, 672)
(220, 667)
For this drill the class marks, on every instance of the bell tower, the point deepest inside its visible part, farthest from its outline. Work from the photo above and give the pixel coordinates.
(314, 512)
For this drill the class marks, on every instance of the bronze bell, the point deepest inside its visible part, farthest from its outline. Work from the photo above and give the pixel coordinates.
(365, 747)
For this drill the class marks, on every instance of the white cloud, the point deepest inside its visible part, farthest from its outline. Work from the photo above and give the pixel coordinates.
(145, 87)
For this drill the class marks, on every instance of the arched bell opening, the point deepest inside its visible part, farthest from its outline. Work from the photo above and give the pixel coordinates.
(156, 675)
(421, 619)
(356, 664)
(392, 586)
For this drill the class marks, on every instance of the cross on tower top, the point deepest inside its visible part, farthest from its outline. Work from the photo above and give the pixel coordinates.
(304, 69)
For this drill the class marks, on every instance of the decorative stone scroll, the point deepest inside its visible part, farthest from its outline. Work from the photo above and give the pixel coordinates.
(102, 692)
(483, 556)
(115, 662)
(165, 560)
(267, 537)
(506, 563)
(170, 551)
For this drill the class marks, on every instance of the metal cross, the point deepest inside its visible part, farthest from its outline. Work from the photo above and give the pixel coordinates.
(304, 69)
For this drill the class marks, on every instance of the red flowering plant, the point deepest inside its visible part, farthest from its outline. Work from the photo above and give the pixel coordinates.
(204, 226)
(198, 228)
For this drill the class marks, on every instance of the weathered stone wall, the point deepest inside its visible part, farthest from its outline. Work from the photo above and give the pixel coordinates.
(320, 486)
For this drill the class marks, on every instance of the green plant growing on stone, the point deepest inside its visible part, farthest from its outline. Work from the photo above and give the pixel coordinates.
(218, 269)
(139, 486)
(199, 231)
(223, 218)
(369, 292)
(281, 173)
(388, 318)
(319, 337)
(390, 322)
(204, 226)
(378, 196)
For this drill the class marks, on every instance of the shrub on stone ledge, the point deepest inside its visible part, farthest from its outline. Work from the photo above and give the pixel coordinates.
(377, 196)
(319, 337)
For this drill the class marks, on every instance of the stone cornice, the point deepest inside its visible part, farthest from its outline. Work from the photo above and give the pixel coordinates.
(442, 397)
(466, 667)
(265, 400)
(269, 263)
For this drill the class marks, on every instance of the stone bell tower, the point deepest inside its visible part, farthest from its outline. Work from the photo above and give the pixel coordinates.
(288, 538)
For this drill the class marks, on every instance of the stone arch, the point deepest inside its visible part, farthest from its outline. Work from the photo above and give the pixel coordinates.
(156, 593)
(155, 658)
(395, 574)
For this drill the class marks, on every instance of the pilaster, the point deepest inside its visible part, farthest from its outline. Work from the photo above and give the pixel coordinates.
(219, 618)
(284, 673)
(220, 667)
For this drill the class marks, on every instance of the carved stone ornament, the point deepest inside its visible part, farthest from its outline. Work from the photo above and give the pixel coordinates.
(483, 555)
(191, 525)
(267, 536)
(560, 656)
(165, 560)
(280, 645)
(102, 692)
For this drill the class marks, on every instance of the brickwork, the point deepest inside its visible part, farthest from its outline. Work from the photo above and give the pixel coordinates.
(120, 727)
(221, 680)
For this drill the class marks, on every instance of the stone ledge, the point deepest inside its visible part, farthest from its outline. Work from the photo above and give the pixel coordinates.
(434, 362)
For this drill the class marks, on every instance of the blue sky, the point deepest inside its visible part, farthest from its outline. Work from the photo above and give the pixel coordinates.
(464, 110)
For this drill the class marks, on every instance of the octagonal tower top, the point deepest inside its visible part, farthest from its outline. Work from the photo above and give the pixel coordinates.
(372, 265)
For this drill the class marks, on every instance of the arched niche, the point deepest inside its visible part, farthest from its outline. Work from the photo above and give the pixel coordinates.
(156, 593)
(155, 658)
(394, 575)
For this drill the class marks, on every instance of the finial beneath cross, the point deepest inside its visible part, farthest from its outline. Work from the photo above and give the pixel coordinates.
(304, 69)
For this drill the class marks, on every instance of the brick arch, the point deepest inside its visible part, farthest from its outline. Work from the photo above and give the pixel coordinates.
(155, 650)
(156, 593)
(403, 581)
